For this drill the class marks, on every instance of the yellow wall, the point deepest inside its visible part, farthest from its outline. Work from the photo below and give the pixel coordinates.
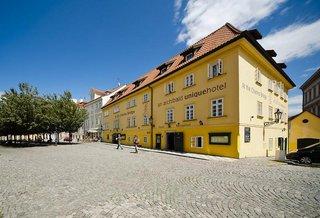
(225, 87)
(250, 94)
(298, 129)
(141, 109)
(240, 60)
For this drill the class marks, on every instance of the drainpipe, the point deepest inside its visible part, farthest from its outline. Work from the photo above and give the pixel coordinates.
(151, 115)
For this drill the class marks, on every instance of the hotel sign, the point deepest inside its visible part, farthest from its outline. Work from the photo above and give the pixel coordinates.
(195, 94)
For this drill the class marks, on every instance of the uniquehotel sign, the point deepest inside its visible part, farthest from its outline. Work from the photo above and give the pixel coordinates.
(195, 94)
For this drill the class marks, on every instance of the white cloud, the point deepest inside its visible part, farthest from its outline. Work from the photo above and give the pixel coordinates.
(311, 69)
(203, 16)
(177, 8)
(295, 105)
(295, 41)
(304, 75)
(1, 93)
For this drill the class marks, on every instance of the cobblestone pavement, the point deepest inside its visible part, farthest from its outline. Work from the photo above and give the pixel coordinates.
(96, 180)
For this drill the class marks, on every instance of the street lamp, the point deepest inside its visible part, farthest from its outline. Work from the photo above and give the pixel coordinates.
(277, 118)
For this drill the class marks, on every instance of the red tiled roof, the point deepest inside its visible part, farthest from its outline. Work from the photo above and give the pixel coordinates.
(215, 40)
(98, 91)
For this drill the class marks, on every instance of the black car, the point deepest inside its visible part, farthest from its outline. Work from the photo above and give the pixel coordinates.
(307, 155)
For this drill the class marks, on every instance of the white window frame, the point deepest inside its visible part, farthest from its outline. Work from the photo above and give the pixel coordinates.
(169, 87)
(133, 121)
(270, 112)
(170, 115)
(189, 80)
(270, 85)
(194, 142)
(146, 97)
(189, 112)
(145, 139)
(258, 76)
(145, 120)
(215, 104)
(129, 122)
(219, 68)
(259, 108)
(188, 56)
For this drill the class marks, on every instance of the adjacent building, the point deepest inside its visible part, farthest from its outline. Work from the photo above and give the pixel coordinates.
(224, 95)
(304, 130)
(311, 94)
(93, 125)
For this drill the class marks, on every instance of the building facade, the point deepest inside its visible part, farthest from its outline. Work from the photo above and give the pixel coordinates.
(93, 125)
(304, 130)
(311, 94)
(217, 97)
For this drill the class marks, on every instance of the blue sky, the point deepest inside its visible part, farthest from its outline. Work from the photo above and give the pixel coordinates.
(78, 44)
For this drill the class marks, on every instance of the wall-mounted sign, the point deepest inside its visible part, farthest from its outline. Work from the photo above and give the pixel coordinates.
(195, 94)
(220, 138)
(247, 134)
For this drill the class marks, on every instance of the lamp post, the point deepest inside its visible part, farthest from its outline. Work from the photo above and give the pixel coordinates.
(277, 118)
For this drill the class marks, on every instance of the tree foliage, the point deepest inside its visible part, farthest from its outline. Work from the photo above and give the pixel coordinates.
(24, 111)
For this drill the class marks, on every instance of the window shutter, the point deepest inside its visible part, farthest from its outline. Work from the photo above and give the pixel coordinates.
(220, 67)
(193, 139)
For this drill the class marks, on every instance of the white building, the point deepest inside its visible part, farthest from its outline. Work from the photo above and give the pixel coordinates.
(93, 125)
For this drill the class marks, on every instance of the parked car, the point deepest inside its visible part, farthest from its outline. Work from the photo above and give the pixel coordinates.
(307, 155)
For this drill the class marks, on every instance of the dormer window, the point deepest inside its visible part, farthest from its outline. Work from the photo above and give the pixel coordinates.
(138, 82)
(190, 52)
(164, 67)
(189, 56)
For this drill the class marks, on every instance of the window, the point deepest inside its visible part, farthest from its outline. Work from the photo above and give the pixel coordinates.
(145, 120)
(189, 80)
(106, 113)
(116, 124)
(259, 108)
(189, 56)
(189, 112)
(133, 121)
(258, 76)
(170, 117)
(220, 138)
(217, 107)
(270, 85)
(270, 113)
(145, 139)
(145, 97)
(276, 87)
(129, 122)
(131, 103)
(270, 144)
(215, 69)
(116, 109)
(197, 141)
(169, 87)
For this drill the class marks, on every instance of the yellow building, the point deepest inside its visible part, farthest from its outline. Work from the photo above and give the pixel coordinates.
(304, 129)
(217, 97)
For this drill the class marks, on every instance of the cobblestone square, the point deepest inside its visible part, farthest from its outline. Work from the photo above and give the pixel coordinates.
(96, 180)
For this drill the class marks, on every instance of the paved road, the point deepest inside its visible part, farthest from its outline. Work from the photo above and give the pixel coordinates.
(97, 180)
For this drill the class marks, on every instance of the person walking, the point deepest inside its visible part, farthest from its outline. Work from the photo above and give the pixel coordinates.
(136, 143)
(119, 142)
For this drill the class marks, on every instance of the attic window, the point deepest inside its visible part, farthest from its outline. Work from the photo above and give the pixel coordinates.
(190, 52)
(138, 82)
(189, 56)
(164, 67)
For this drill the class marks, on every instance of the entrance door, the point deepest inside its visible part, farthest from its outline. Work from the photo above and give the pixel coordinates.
(158, 141)
(170, 141)
(175, 141)
(178, 141)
